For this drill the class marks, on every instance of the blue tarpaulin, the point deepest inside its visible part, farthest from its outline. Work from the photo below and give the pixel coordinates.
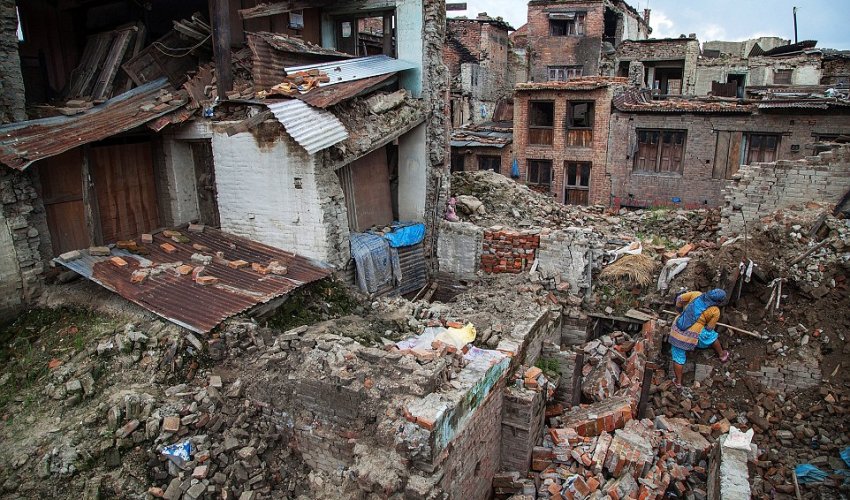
(404, 234)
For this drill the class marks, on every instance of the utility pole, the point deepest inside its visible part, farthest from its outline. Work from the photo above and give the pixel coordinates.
(795, 25)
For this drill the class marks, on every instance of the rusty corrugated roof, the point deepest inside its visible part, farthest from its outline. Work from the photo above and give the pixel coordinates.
(22, 143)
(272, 52)
(324, 97)
(179, 299)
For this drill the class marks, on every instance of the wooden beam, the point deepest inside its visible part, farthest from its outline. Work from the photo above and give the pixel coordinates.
(220, 14)
(274, 8)
(456, 6)
(248, 124)
(388, 34)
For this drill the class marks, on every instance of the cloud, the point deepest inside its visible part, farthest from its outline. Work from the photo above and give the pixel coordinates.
(712, 31)
(662, 26)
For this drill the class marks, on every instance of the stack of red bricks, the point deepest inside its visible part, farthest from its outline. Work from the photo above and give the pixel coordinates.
(507, 251)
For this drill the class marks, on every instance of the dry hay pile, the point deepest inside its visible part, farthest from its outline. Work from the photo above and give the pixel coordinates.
(630, 270)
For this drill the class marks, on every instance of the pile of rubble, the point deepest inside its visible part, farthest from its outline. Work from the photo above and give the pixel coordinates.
(487, 198)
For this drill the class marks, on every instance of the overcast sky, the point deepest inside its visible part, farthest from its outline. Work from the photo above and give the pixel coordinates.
(822, 20)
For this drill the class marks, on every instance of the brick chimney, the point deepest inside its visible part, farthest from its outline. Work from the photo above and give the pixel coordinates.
(646, 15)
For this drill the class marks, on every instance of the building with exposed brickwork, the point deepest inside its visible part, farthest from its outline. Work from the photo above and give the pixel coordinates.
(561, 137)
(682, 152)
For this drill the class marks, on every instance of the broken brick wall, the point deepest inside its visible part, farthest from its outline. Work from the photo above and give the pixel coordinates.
(696, 186)
(759, 70)
(652, 52)
(545, 50)
(836, 71)
(24, 241)
(569, 256)
(760, 189)
(522, 426)
(12, 98)
(506, 251)
(474, 458)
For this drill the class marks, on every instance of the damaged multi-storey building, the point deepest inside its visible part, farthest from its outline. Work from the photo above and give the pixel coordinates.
(276, 132)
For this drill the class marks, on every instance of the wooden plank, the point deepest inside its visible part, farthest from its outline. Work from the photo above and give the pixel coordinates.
(126, 83)
(372, 195)
(112, 63)
(248, 124)
(456, 6)
(388, 34)
(220, 14)
(91, 211)
(271, 9)
(721, 155)
(735, 140)
(83, 76)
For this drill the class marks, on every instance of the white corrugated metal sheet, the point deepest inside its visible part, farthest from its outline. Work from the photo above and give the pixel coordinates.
(356, 69)
(313, 128)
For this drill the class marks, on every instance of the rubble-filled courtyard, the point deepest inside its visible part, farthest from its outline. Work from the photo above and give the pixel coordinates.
(399, 249)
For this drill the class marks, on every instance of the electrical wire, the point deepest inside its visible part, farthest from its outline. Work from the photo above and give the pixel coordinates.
(179, 51)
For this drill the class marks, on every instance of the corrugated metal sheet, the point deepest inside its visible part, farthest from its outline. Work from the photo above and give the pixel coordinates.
(179, 299)
(22, 143)
(356, 69)
(314, 129)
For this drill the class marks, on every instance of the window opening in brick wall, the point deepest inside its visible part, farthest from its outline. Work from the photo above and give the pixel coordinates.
(488, 162)
(580, 124)
(577, 183)
(566, 24)
(782, 76)
(540, 173)
(660, 150)
(760, 148)
(541, 122)
(563, 73)
(457, 162)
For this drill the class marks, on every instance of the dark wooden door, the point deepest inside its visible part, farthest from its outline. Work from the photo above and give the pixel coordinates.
(205, 177)
(123, 176)
(62, 193)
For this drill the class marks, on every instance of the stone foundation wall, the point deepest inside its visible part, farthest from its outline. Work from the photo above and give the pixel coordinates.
(12, 100)
(24, 241)
(459, 248)
(757, 190)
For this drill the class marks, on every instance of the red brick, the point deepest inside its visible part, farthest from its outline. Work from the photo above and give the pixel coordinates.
(168, 247)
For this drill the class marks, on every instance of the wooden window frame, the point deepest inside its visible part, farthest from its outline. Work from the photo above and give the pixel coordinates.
(762, 150)
(657, 162)
(785, 71)
(572, 27)
(563, 73)
(490, 158)
(536, 171)
(536, 136)
(581, 183)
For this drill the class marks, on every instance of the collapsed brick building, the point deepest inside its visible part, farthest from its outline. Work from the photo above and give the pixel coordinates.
(479, 59)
